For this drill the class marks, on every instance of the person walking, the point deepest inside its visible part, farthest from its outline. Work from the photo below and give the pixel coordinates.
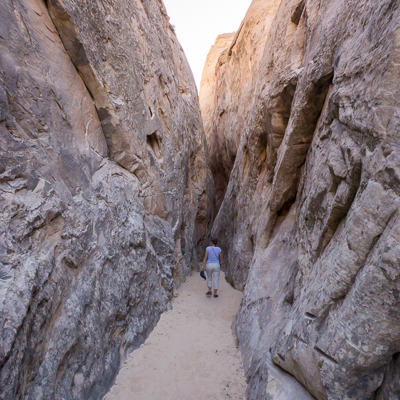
(212, 266)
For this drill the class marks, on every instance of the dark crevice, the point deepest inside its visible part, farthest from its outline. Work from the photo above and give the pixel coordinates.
(298, 11)
(303, 126)
(278, 122)
(326, 356)
(286, 208)
(221, 166)
(277, 220)
(245, 162)
(154, 144)
(290, 285)
(310, 315)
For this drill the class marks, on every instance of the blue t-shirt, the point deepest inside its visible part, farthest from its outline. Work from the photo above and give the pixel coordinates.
(213, 254)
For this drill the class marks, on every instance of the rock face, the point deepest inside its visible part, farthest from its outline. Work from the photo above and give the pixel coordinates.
(234, 79)
(310, 218)
(236, 73)
(103, 188)
(215, 59)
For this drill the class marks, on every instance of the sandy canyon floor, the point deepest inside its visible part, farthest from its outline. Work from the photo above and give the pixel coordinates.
(191, 354)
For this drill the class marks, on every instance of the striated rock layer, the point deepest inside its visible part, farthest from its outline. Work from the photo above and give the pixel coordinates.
(103, 188)
(310, 220)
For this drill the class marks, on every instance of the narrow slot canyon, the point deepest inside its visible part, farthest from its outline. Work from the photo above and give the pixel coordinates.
(117, 170)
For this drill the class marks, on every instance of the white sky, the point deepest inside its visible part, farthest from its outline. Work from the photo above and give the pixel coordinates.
(199, 22)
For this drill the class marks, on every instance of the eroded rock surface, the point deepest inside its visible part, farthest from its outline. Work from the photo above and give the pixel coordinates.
(310, 219)
(103, 188)
(236, 74)
(216, 58)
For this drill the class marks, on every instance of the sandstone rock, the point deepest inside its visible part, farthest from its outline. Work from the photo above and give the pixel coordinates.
(235, 72)
(208, 79)
(310, 218)
(103, 187)
(215, 59)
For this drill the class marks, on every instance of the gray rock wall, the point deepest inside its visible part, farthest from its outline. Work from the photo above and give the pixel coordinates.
(103, 188)
(310, 218)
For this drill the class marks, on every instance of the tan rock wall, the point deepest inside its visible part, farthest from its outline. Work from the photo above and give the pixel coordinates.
(309, 220)
(208, 80)
(103, 188)
(235, 72)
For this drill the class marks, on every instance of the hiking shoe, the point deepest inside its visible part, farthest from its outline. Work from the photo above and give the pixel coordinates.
(215, 296)
(209, 293)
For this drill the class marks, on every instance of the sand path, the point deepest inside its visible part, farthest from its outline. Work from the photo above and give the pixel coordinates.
(191, 354)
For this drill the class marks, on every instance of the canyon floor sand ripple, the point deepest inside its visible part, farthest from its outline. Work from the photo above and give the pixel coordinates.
(191, 354)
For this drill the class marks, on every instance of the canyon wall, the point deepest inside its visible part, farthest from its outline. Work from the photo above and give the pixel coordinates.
(103, 188)
(215, 59)
(306, 105)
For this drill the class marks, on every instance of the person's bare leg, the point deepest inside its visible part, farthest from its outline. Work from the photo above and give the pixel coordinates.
(216, 282)
(209, 282)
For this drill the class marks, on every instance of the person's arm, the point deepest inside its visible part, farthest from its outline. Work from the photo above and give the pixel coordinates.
(222, 260)
(204, 261)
